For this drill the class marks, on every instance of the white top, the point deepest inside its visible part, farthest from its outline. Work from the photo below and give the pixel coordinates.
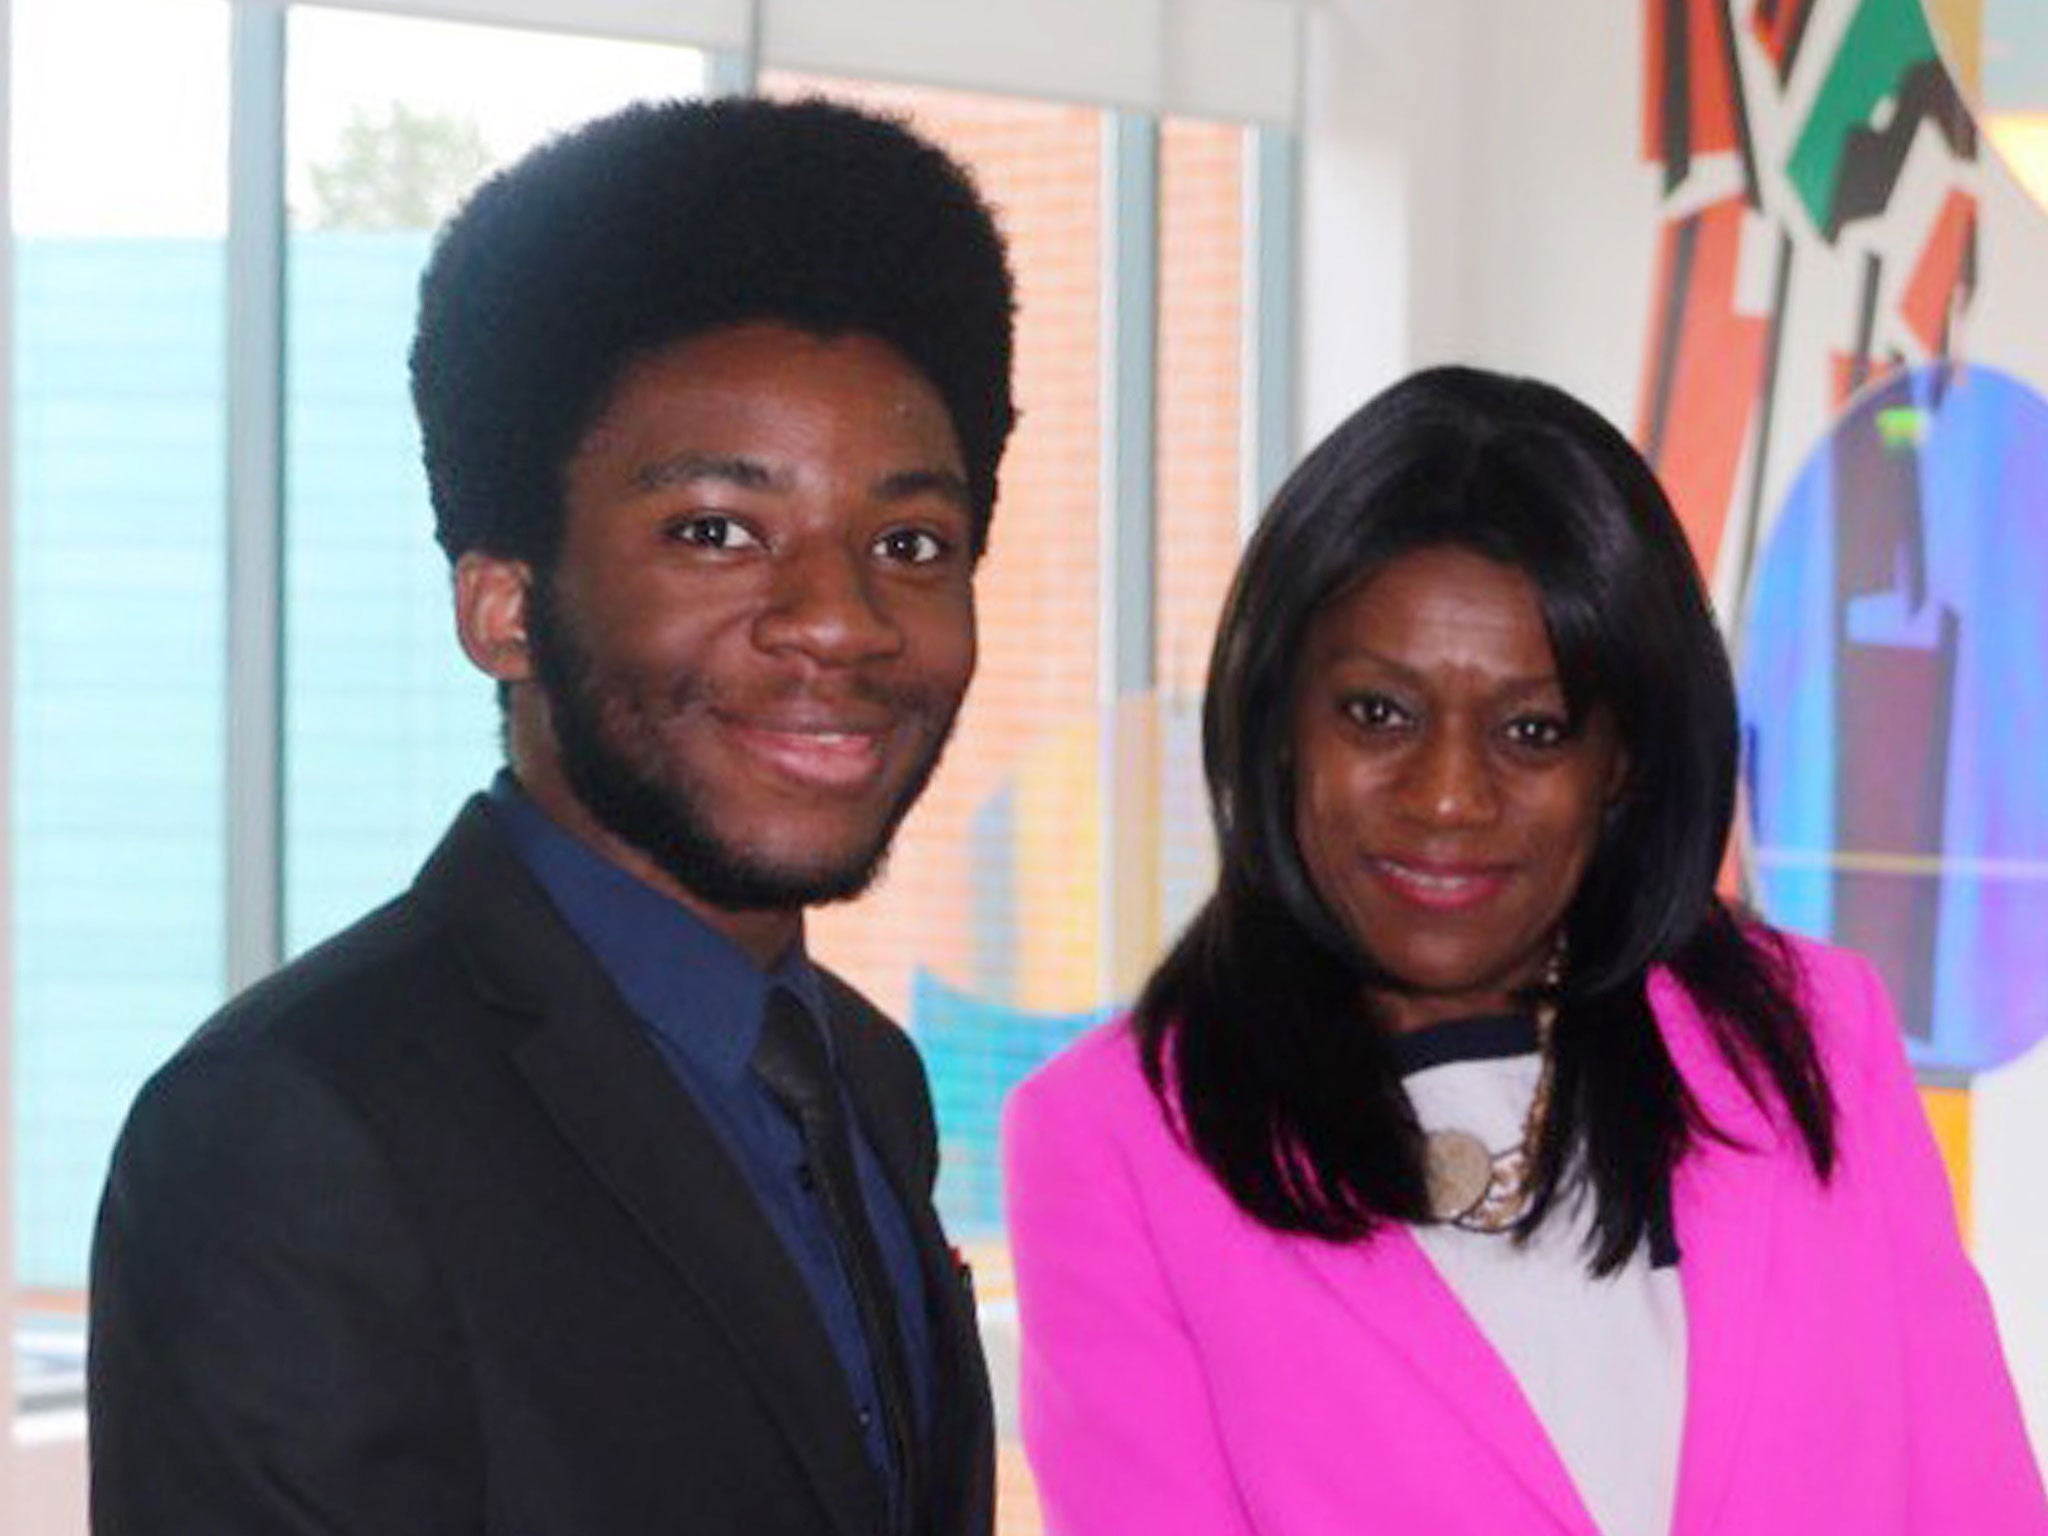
(1601, 1362)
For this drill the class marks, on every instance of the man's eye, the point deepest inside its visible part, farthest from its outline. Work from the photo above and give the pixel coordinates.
(1374, 711)
(911, 546)
(711, 530)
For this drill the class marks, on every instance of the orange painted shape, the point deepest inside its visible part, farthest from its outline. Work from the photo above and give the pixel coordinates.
(1714, 116)
(1710, 90)
(1935, 287)
(1948, 1111)
(1843, 378)
(1716, 379)
(1777, 31)
(1653, 81)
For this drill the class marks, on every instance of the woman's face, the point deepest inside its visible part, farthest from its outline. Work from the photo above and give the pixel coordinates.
(1445, 807)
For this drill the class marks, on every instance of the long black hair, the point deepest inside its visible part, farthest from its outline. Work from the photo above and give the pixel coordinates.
(1251, 1027)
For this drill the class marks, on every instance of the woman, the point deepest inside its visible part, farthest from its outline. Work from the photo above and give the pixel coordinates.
(1469, 1165)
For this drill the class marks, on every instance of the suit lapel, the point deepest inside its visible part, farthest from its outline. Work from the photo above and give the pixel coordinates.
(1723, 1201)
(963, 1416)
(1390, 1285)
(612, 1097)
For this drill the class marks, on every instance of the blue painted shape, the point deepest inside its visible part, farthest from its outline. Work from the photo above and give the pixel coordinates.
(1970, 524)
(975, 1052)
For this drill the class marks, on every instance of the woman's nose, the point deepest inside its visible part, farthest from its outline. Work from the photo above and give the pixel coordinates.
(1450, 781)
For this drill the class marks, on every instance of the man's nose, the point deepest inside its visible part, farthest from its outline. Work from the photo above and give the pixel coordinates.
(824, 602)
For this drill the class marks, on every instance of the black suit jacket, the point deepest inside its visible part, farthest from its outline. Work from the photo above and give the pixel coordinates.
(421, 1235)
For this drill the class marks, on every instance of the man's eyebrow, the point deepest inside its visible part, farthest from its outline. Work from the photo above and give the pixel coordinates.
(694, 468)
(909, 484)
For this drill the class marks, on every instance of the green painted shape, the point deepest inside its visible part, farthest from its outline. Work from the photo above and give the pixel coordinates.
(1902, 426)
(1886, 39)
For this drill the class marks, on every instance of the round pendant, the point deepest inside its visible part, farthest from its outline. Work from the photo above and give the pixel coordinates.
(1459, 1171)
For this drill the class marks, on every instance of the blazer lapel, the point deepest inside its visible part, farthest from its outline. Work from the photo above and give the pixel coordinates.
(1389, 1283)
(613, 1098)
(963, 1414)
(1723, 1199)
(1723, 1205)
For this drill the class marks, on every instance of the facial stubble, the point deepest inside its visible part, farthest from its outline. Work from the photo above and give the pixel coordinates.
(665, 816)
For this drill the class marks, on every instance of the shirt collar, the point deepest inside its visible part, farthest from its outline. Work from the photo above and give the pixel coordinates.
(1481, 1037)
(685, 979)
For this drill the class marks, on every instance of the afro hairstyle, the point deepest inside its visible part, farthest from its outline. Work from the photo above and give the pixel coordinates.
(668, 220)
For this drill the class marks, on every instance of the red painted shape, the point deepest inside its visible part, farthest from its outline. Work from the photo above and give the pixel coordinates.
(1714, 115)
(1941, 274)
(1654, 66)
(1711, 115)
(1778, 25)
(1717, 378)
(1844, 380)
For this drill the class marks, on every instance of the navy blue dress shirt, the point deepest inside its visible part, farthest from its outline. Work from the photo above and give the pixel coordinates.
(702, 999)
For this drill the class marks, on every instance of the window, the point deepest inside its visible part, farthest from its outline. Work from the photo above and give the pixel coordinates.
(996, 838)
(390, 121)
(1203, 490)
(118, 796)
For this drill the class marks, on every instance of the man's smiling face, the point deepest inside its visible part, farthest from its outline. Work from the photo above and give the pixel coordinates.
(760, 623)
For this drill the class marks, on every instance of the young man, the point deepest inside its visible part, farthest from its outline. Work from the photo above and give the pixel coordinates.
(564, 1195)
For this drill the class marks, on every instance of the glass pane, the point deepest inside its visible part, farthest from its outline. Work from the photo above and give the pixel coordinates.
(390, 121)
(984, 937)
(1200, 443)
(990, 905)
(118, 550)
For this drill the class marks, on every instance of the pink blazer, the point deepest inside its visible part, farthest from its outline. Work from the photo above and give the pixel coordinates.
(1187, 1372)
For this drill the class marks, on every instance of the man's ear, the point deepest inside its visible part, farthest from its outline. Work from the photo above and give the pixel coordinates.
(490, 614)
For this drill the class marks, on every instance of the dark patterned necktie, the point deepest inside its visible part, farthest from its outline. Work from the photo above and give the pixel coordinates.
(791, 1062)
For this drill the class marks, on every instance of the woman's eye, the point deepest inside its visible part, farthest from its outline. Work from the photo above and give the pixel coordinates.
(711, 530)
(910, 546)
(1375, 711)
(1539, 731)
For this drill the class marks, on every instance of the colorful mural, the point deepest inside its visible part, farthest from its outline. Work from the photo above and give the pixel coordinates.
(1034, 985)
(976, 1051)
(1820, 196)
(1847, 479)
